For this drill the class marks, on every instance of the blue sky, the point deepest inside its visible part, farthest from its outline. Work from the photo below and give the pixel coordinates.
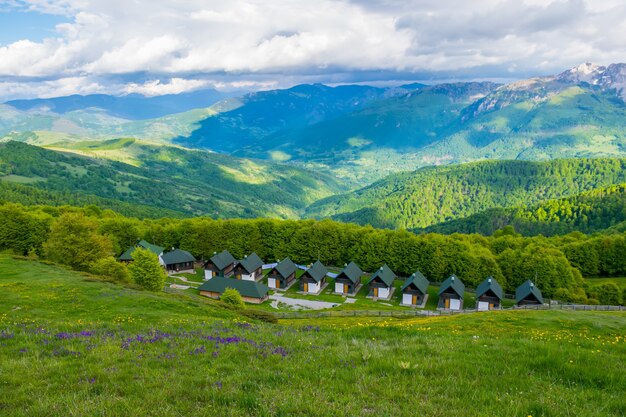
(34, 26)
(167, 46)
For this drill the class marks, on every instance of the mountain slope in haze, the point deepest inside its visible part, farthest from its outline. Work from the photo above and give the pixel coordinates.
(591, 211)
(433, 195)
(252, 118)
(131, 106)
(175, 179)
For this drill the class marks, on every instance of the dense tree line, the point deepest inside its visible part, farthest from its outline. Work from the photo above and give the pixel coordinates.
(434, 195)
(588, 212)
(82, 237)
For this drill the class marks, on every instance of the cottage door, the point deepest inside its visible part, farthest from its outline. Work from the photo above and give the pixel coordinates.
(277, 283)
(345, 288)
(306, 287)
(375, 291)
(414, 300)
(491, 306)
(447, 303)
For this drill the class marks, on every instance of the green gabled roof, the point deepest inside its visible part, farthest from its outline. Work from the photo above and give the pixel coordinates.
(285, 267)
(128, 254)
(455, 283)
(385, 274)
(352, 272)
(177, 256)
(490, 284)
(222, 259)
(245, 288)
(251, 262)
(526, 289)
(317, 271)
(419, 280)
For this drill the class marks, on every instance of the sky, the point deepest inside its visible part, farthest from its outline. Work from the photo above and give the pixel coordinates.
(59, 47)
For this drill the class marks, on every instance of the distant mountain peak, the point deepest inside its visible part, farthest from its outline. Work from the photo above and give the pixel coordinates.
(586, 72)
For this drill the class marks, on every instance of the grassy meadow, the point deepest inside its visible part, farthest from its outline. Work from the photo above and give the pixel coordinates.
(72, 345)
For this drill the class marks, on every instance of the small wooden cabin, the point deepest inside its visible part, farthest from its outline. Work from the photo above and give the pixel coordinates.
(283, 275)
(528, 294)
(348, 280)
(451, 294)
(178, 260)
(314, 278)
(127, 256)
(220, 265)
(489, 295)
(381, 283)
(249, 268)
(251, 291)
(415, 289)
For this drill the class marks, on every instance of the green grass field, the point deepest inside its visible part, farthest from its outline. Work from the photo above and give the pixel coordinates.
(71, 345)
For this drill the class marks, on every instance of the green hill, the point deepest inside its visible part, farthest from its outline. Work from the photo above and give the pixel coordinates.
(164, 177)
(589, 212)
(437, 194)
(74, 345)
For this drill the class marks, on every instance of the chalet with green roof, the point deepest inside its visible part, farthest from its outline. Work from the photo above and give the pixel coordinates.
(451, 294)
(178, 260)
(249, 268)
(528, 294)
(489, 295)
(314, 278)
(283, 275)
(127, 256)
(415, 290)
(251, 291)
(220, 265)
(381, 283)
(348, 281)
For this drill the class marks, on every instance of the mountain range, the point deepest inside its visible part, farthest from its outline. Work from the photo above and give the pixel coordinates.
(321, 151)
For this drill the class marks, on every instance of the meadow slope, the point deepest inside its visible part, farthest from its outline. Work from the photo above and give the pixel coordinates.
(72, 345)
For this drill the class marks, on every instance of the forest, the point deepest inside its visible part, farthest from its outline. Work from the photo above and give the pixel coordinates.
(82, 238)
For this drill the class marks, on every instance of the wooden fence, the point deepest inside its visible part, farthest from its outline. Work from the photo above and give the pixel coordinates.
(421, 313)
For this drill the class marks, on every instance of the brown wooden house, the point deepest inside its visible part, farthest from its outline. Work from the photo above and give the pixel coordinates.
(528, 294)
(283, 275)
(220, 265)
(249, 268)
(381, 283)
(251, 291)
(451, 294)
(314, 278)
(415, 289)
(489, 295)
(348, 280)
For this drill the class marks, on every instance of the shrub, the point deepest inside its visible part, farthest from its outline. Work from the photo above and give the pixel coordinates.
(232, 297)
(261, 315)
(109, 267)
(608, 293)
(146, 270)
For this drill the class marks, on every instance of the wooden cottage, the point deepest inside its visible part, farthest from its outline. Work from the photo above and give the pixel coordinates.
(489, 295)
(451, 294)
(528, 293)
(220, 265)
(381, 283)
(314, 278)
(249, 268)
(283, 275)
(415, 290)
(251, 291)
(178, 260)
(348, 280)
(127, 256)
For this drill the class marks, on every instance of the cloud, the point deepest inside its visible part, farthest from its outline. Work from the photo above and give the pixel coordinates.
(271, 42)
(157, 88)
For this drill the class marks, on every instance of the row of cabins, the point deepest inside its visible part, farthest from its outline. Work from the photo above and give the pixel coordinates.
(248, 271)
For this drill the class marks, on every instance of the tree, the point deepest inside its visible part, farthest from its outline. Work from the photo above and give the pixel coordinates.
(608, 293)
(74, 241)
(232, 297)
(109, 267)
(146, 271)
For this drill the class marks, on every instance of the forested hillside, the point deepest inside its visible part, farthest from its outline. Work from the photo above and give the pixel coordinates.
(588, 212)
(81, 238)
(169, 178)
(437, 194)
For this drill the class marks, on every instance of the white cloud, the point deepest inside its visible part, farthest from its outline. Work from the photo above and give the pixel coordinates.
(158, 88)
(271, 41)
